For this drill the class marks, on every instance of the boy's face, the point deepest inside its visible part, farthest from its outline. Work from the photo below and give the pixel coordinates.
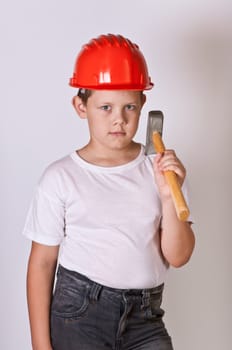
(112, 115)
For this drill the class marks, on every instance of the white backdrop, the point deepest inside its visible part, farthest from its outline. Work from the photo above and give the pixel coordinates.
(188, 47)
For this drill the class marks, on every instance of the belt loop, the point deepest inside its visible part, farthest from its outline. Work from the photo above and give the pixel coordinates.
(145, 299)
(95, 291)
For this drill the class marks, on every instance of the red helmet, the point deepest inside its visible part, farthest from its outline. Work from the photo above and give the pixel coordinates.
(111, 62)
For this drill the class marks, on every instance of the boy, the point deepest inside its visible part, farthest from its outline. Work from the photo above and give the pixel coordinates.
(109, 208)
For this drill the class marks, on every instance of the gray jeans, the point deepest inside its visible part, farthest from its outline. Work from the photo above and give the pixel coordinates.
(88, 316)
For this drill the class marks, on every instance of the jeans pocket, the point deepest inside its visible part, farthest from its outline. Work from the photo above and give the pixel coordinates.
(154, 311)
(70, 303)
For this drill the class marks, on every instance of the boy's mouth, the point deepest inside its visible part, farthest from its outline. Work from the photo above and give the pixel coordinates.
(117, 133)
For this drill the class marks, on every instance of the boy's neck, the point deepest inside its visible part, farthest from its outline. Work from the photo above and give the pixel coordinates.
(109, 157)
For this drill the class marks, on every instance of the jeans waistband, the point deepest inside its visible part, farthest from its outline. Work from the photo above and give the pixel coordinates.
(139, 292)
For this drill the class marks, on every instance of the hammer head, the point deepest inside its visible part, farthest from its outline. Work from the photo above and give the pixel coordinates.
(154, 123)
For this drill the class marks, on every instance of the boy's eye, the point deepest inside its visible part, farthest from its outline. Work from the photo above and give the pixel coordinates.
(105, 108)
(130, 107)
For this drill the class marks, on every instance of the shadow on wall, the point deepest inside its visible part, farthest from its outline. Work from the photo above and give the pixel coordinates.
(199, 99)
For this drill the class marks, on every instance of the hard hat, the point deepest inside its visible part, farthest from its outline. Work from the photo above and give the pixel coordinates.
(111, 62)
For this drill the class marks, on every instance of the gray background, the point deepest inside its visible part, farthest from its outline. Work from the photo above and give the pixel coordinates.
(188, 47)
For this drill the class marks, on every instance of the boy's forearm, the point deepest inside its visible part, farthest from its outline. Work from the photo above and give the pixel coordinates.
(177, 237)
(40, 279)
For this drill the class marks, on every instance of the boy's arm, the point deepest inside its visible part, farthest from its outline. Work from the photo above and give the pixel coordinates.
(177, 237)
(40, 279)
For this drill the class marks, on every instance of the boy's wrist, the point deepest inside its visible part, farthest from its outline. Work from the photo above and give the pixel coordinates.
(166, 199)
(168, 206)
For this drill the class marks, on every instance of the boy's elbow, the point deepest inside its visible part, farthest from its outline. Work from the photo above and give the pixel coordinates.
(185, 255)
(179, 262)
(182, 259)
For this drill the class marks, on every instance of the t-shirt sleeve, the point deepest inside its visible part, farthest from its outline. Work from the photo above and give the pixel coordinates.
(45, 221)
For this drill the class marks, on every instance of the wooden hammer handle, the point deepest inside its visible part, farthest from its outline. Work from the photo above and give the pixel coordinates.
(181, 207)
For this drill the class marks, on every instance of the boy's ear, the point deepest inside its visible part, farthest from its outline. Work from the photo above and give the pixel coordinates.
(79, 106)
(143, 99)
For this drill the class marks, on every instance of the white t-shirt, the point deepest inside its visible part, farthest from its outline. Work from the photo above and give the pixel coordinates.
(106, 219)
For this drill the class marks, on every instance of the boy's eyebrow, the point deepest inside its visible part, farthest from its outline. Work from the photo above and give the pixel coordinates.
(124, 103)
(105, 102)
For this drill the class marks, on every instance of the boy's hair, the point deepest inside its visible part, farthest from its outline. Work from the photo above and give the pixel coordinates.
(84, 94)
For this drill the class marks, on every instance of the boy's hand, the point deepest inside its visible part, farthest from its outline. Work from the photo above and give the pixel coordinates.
(163, 162)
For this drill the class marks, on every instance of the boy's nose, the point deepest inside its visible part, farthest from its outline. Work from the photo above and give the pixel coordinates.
(119, 118)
